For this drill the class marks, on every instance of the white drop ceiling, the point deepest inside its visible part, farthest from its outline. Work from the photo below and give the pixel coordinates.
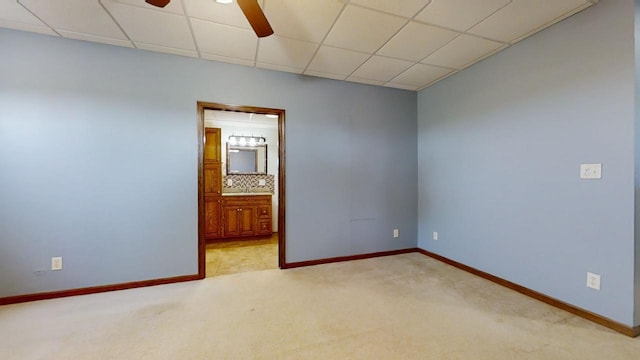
(406, 44)
(239, 119)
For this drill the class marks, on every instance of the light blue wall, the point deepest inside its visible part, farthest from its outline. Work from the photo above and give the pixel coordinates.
(637, 161)
(98, 161)
(499, 149)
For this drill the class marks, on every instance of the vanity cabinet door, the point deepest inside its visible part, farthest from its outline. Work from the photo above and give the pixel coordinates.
(239, 220)
(212, 178)
(212, 216)
(212, 142)
(247, 221)
(230, 221)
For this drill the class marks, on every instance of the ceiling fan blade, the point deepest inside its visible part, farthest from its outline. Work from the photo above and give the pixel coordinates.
(158, 3)
(254, 14)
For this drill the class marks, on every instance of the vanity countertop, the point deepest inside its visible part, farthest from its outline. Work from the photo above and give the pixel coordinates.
(245, 193)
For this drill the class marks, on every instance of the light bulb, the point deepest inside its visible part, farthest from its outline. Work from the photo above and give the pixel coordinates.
(232, 140)
(243, 141)
(252, 141)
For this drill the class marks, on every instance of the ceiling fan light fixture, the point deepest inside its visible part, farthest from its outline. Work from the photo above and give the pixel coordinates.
(158, 3)
(256, 17)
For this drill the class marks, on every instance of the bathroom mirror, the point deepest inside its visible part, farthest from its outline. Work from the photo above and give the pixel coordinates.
(246, 159)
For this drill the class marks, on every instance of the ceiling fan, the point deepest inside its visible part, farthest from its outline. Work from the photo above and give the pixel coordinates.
(251, 10)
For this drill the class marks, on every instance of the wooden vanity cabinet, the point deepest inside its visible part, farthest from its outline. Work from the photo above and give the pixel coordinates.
(212, 184)
(246, 215)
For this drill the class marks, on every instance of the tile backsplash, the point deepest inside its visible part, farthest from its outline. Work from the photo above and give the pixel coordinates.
(248, 180)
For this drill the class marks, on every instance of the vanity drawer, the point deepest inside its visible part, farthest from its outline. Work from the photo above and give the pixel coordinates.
(264, 211)
(264, 227)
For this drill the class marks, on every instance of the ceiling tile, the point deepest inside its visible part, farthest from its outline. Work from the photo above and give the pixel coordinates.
(337, 61)
(15, 16)
(229, 14)
(523, 16)
(174, 7)
(225, 40)
(17, 25)
(324, 75)
(14, 12)
(94, 38)
(406, 8)
(415, 41)
(78, 16)
(167, 50)
(227, 59)
(420, 75)
(363, 30)
(276, 50)
(448, 13)
(461, 51)
(308, 20)
(152, 27)
(381, 68)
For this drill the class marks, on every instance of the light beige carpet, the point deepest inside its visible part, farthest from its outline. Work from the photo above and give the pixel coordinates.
(397, 307)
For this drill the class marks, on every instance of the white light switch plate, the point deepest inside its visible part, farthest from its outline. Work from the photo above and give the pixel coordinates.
(262, 182)
(229, 182)
(56, 263)
(590, 171)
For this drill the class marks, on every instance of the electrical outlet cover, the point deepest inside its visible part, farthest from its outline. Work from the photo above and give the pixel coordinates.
(593, 281)
(590, 171)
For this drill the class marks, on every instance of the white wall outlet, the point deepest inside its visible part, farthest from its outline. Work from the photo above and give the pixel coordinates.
(229, 182)
(396, 233)
(590, 171)
(593, 281)
(435, 235)
(56, 263)
(262, 182)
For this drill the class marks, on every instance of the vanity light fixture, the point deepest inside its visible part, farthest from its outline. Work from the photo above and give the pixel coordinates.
(247, 140)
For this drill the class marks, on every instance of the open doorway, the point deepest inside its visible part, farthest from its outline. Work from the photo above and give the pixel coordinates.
(241, 189)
